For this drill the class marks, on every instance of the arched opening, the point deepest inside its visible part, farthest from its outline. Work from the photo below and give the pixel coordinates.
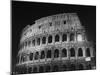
(49, 54)
(55, 68)
(80, 52)
(30, 70)
(72, 52)
(88, 52)
(64, 67)
(64, 21)
(64, 52)
(29, 43)
(42, 55)
(48, 68)
(41, 69)
(31, 56)
(43, 40)
(35, 69)
(33, 42)
(56, 53)
(50, 39)
(89, 66)
(72, 37)
(72, 67)
(36, 55)
(81, 67)
(25, 70)
(57, 38)
(38, 41)
(64, 37)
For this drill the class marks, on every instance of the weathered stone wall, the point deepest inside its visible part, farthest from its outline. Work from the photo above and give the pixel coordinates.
(33, 54)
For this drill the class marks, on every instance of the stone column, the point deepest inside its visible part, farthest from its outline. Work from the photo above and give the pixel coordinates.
(40, 41)
(53, 39)
(76, 52)
(60, 52)
(91, 51)
(60, 39)
(19, 58)
(68, 37)
(35, 42)
(75, 36)
(33, 56)
(68, 52)
(84, 51)
(39, 55)
(52, 52)
(45, 54)
(46, 39)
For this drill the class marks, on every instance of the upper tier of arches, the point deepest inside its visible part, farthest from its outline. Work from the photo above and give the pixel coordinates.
(65, 21)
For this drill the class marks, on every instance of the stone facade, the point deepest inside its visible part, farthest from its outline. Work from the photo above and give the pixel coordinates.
(55, 43)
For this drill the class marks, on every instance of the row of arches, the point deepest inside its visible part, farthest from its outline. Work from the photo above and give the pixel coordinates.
(55, 68)
(56, 54)
(49, 39)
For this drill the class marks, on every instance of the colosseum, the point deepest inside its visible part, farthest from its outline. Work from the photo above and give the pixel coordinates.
(55, 43)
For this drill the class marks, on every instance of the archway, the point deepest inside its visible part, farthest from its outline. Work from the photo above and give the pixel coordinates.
(41, 69)
(43, 40)
(35, 69)
(80, 52)
(72, 52)
(30, 70)
(72, 37)
(81, 67)
(64, 67)
(55, 68)
(48, 68)
(31, 56)
(64, 37)
(38, 41)
(72, 67)
(89, 66)
(57, 38)
(36, 55)
(56, 53)
(33, 42)
(88, 52)
(64, 52)
(50, 39)
(42, 55)
(49, 54)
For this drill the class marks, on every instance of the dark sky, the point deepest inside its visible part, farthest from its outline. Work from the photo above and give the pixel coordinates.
(24, 13)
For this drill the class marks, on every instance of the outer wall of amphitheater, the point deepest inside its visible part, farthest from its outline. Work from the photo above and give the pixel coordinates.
(55, 43)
